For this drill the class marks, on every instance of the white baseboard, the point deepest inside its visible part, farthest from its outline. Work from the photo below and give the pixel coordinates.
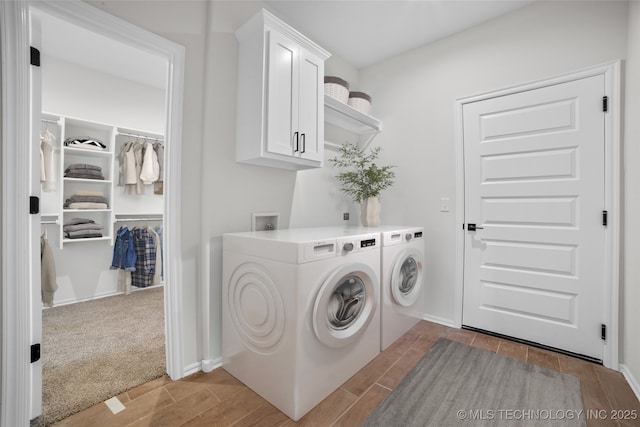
(100, 295)
(633, 381)
(192, 369)
(204, 366)
(439, 320)
(209, 365)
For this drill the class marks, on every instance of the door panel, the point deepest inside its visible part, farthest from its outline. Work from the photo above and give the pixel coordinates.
(534, 183)
(282, 98)
(311, 104)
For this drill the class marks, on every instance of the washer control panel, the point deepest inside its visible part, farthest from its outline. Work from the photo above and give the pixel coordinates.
(352, 244)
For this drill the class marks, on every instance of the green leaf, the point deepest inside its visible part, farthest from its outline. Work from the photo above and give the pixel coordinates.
(361, 177)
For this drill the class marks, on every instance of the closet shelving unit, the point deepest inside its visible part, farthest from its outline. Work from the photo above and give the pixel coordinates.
(113, 137)
(72, 127)
(346, 117)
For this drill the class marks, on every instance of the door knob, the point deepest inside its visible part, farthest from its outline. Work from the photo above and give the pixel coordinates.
(473, 227)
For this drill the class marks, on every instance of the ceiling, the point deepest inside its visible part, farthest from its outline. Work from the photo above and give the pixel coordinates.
(361, 32)
(364, 32)
(71, 43)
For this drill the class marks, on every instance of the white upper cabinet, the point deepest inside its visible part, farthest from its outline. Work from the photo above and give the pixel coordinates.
(280, 116)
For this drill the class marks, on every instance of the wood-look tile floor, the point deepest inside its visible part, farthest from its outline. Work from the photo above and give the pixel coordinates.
(218, 399)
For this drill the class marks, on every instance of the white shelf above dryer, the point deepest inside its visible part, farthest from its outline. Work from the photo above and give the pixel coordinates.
(346, 117)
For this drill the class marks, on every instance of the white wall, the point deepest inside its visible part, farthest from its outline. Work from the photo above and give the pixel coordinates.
(81, 92)
(630, 293)
(414, 96)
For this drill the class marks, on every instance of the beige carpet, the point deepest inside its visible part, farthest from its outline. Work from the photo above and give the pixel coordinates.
(95, 350)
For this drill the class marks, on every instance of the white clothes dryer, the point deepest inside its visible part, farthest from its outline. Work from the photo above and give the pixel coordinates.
(300, 311)
(403, 257)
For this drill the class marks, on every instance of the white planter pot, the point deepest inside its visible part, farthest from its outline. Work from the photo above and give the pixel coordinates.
(370, 212)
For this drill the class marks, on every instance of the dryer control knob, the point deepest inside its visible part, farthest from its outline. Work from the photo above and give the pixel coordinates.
(408, 236)
(348, 247)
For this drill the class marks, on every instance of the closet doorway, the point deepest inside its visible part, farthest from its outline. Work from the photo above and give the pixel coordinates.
(102, 79)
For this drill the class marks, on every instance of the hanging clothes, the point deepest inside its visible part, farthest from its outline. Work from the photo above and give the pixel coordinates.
(157, 275)
(47, 172)
(150, 167)
(140, 164)
(158, 186)
(145, 249)
(48, 282)
(124, 259)
(124, 254)
(160, 248)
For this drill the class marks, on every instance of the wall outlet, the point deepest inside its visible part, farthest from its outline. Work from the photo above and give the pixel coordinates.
(444, 204)
(345, 216)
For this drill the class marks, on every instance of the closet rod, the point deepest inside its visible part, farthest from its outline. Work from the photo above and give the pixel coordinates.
(138, 219)
(50, 222)
(55, 122)
(133, 135)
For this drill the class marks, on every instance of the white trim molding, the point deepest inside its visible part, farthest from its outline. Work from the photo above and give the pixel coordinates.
(16, 292)
(440, 321)
(16, 97)
(633, 381)
(612, 75)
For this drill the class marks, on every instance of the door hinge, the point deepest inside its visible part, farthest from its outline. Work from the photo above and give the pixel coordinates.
(603, 332)
(35, 56)
(605, 103)
(605, 218)
(35, 352)
(34, 205)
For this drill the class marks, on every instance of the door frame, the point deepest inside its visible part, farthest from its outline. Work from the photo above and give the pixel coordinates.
(612, 141)
(16, 123)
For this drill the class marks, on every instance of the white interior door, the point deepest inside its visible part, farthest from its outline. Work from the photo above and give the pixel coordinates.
(534, 187)
(34, 259)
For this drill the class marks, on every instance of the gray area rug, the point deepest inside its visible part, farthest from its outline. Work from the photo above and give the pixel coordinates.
(458, 385)
(95, 350)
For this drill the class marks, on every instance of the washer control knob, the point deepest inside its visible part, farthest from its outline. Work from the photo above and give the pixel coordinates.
(348, 247)
(408, 236)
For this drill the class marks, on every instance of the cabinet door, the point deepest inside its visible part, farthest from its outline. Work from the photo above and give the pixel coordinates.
(282, 95)
(311, 106)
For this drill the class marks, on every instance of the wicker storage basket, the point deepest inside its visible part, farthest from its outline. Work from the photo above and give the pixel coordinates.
(336, 88)
(360, 101)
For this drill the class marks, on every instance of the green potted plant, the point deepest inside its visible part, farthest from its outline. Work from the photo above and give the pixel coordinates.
(363, 180)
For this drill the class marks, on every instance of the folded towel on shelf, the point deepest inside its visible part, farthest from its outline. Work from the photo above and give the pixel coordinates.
(74, 221)
(85, 142)
(84, 176)
(87, 205)
(88, 193)
(83, 166)
(93, 199)
(78, 227)
(84, 173)
(82, 234)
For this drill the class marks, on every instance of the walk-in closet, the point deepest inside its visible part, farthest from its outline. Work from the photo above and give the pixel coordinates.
(102, 201)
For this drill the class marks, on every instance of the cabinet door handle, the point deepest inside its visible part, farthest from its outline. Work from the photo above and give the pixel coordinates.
(304, 143)
(297, 142)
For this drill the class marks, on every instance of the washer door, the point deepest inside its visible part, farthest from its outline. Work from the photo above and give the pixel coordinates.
(345, 305)
(406, 278)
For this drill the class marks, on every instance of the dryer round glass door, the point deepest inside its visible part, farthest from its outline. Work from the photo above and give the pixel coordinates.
(406, 278)
(345, 304)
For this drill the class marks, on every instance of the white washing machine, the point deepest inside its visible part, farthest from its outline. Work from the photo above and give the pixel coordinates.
(402, 278)
(300, 311)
